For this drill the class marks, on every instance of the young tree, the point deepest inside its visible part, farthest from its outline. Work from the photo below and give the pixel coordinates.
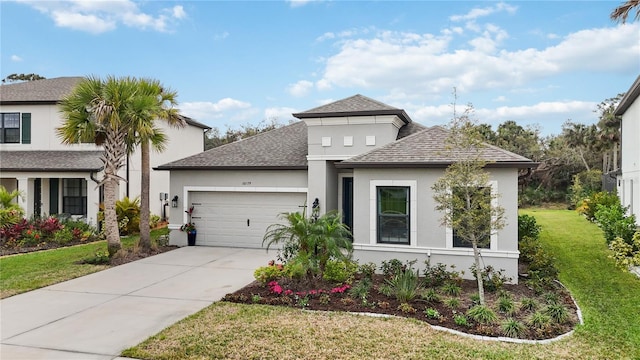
(463, 194)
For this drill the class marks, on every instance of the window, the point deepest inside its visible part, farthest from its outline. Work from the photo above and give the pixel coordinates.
(481, 200)
(74, 196)
(393, 214)
(10, 128)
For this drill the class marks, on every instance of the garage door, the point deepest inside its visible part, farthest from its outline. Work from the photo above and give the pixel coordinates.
(239, 219)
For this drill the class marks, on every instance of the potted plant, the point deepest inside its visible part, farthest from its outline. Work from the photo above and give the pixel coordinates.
(190, 228)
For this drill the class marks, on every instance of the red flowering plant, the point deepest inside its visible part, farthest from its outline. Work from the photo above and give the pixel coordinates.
(189, 226)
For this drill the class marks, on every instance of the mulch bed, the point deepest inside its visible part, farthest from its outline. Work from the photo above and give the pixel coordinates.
(49, 245)
(257, 293)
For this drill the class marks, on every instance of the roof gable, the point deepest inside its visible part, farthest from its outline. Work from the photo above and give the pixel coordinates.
(427, 148)
(357, 105)
(628, 98)
(281, 148)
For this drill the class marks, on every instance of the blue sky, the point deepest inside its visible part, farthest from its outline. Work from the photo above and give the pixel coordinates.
(232, 63)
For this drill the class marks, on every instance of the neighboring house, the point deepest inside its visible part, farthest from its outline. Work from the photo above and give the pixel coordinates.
(59, 179)
(629, 178)
(357, 155)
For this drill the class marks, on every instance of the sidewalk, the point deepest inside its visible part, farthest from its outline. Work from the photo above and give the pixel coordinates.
(99, 315)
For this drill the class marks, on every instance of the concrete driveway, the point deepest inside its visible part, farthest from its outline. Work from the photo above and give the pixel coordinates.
(99, 315)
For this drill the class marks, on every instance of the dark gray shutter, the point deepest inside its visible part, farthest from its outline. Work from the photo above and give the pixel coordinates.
(26, 128)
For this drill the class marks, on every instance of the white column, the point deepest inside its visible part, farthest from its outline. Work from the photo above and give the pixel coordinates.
(93, 201)
(25, 186)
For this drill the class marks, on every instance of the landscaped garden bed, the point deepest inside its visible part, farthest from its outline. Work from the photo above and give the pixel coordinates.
(442, 299)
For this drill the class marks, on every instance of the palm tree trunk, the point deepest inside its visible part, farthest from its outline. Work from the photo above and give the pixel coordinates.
(615, 156)
(145, 232)
(583, 160)
(111, 230)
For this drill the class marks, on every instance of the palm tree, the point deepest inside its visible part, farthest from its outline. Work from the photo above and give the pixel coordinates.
(622, 12)
(159, 104)
(100, 111)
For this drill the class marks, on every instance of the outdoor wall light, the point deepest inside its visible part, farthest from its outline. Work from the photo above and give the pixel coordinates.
(174, 202)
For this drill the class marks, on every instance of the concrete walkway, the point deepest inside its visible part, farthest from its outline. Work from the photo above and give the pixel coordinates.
(99, 315)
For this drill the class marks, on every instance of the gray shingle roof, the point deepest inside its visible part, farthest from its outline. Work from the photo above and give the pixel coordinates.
(40, 161)
(38, 91)
(629, 97)
(356, 105)
(282, 148)
(427, 148)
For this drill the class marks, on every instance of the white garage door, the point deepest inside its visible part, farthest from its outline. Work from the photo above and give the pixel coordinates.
(238, 219)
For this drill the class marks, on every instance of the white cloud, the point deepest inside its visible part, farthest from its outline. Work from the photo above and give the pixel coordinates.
(222, 36)
(207, 111)
(301, 88)
(101, 16)
(299, 3)
(280, 114)
(16, 58)
(482, 12)
(426, 64)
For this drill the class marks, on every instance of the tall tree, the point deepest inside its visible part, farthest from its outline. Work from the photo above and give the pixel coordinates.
(580, 137)
(621, 13)
(462, 195)
(22, 77)
(609, 132)
(100, 111)
(158, 104)
(215, 138)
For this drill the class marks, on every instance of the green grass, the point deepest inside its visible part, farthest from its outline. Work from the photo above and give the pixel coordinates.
(25, 272)
(609, 298)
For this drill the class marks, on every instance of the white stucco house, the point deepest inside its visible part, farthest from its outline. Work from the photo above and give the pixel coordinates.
(356, 155)
(59, 179)
(629, 177)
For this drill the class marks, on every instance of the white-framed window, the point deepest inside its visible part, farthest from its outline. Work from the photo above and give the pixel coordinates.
(453, 241)
(10, 128)
(393, 212)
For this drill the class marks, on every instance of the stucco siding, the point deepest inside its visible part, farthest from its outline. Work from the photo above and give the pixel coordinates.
(629, 189)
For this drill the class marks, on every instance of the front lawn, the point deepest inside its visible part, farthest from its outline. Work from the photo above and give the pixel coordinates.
(607, 296)
(24, 272)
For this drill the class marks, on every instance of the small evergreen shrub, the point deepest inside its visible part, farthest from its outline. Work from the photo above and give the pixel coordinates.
(506, 305)
(451, 289)
(513, 328)
(452, 303)
(340, 271)
(626, 255)
(482, 315)
(528, 227)
(557, 313)
(461, 320)
(590, 205)
(430, 295)
(528, 304)
(539, 320)
(432, 313)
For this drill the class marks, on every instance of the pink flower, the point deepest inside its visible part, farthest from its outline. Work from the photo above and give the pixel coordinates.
(288, 292)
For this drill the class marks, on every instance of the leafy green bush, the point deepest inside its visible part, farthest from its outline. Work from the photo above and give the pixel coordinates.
(624, 254)
(461, 320)
(528, 304)
(493, 280)
(367, 270)
(452, 303)
(361, 289)
(340, 271)
(269, 273)
(614, 223)
(506, 305)
(584, 185)
(63, 236)
(452, 289)
(528, 227)
(430, 295)
(589, 206)
(437, 275)
(432, 313)
(392, 267)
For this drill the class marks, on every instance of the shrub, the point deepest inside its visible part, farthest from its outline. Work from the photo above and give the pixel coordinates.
(361, 289)
(451, 289)
(430, 295)
(528, 227)
(585, 184)
(393, 267)
(452, 303)
(626, 255)
(493, 279)
(557, 313)
(63, 236)
(614, 223)
(461, 320)
(432, 313)
(475, 299)
(539, 320)
(482, 315)
(528, 304)
(269, 273)
(128, 211)
(340, 271)
(154, 220)
(437, 275)
(513, 328)
(48, 226)
(405, 285)
(506, 305)
(551, 298)
(590, 205)
(406, 308)
(367, 270)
